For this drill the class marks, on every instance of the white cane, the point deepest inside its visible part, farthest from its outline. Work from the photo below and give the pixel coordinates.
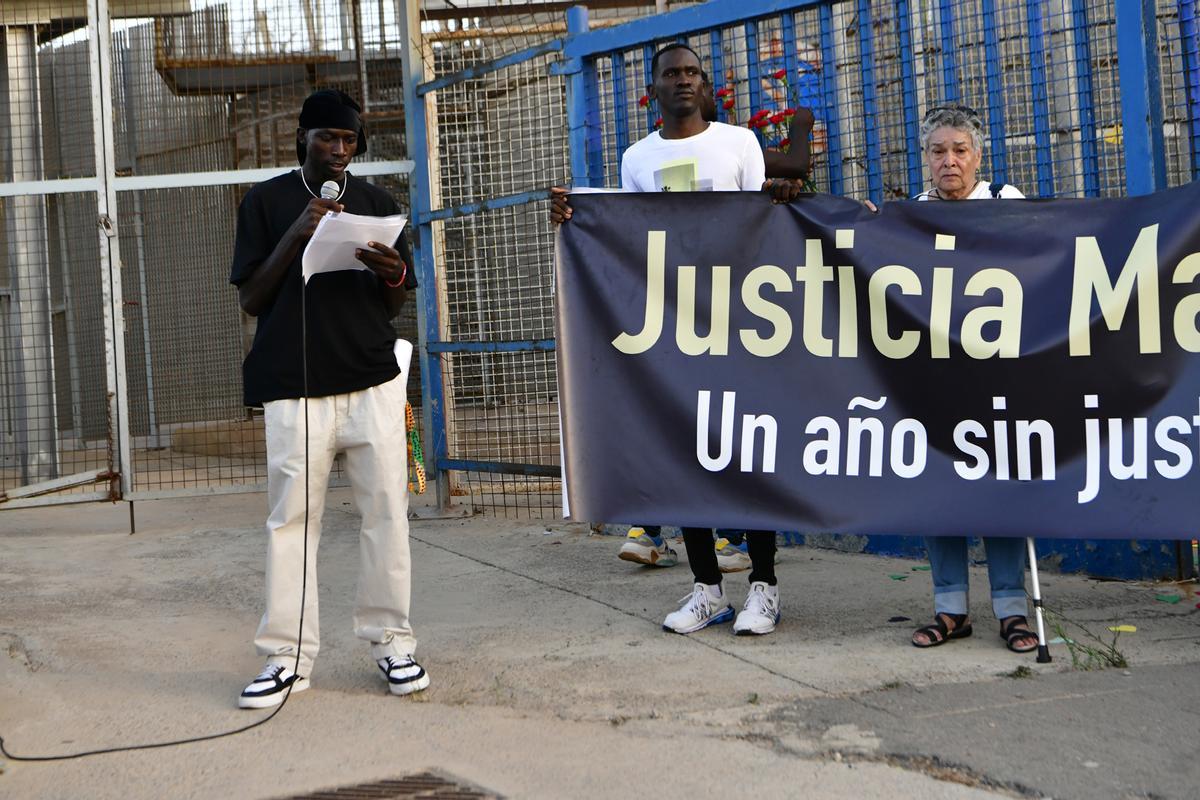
(1043, 656)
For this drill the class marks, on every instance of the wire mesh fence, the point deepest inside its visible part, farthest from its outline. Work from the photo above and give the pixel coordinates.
(194, 93)
(497, 135)
(1043, 77)
(50, 320)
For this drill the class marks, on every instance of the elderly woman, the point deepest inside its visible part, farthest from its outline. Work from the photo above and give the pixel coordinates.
(952, 141)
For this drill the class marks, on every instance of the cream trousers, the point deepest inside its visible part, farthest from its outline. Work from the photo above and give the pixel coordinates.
(369, 427)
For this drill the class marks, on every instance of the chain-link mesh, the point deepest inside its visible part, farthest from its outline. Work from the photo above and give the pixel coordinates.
(494, 140)
(478, 31)
(199, 90)
(497, 135)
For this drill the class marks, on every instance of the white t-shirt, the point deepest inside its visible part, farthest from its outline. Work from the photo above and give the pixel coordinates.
(722, 158)
(982, 191)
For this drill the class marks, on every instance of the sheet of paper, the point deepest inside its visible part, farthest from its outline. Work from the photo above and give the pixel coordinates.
(403, 350)
(338, 236)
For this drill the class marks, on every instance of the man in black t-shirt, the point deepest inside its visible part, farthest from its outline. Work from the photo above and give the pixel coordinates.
(323, 361)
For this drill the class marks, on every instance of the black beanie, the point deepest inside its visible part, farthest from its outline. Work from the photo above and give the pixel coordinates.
(331, 108)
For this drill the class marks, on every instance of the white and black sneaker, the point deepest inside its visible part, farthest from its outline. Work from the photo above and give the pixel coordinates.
(270, 687)
(760, 615)
(705, 606)
(404, 675)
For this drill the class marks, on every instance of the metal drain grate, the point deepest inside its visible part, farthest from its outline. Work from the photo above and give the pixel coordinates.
(422, 786)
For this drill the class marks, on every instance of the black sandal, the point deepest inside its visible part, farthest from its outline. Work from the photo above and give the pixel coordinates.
(939, 633)
(1017, 628)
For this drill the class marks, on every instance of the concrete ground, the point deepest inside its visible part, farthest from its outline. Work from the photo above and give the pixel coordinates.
(552, 678)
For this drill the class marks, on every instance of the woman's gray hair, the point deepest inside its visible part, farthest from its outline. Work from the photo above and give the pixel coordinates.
(957, 117)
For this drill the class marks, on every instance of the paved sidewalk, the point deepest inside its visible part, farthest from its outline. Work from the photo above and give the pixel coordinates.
(552, 678)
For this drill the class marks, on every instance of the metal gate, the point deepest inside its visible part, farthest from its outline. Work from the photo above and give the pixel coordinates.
(134, 127)
(1080, 97)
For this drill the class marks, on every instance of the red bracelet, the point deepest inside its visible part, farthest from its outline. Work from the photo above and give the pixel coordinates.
(400, 282)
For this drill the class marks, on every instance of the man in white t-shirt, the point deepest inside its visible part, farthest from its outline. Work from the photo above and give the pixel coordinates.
(689, 154)
(716, 157)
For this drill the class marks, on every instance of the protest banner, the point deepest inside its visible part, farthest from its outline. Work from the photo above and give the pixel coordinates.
(1007, 368)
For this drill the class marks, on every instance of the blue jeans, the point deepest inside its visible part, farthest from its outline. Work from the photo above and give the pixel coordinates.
(1006, 574)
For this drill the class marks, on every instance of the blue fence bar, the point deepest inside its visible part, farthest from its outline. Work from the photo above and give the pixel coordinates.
(1141, 93)
(1086, 100)
(523, 346)
(790, 65)
(433, 410)
(829, 94)
(479, 70)
(500, 467)
(716, 63)
(949, 63)
(490, 204)
(866, 34)
(1191, 77)
(754, 72)
(648, 77)
(912, 144)
(1041, 103)
(620, 96)
(578, 74)
(997, 141)
(690, 20)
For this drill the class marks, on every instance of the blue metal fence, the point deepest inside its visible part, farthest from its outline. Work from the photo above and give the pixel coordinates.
(1080, 98)
(1059, 83)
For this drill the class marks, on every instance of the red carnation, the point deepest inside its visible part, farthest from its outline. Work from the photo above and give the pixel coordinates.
(776, 118)
(762, 122)
(644, 100)
(728, 104)
(760, 114)
(789, 112)
(658, 122)
(779, 74)
(784, 144)
(725, 92)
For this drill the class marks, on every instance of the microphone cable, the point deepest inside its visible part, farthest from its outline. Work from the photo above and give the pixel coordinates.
(303, 594)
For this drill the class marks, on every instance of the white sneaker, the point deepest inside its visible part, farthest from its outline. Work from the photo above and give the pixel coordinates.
(732, 557)
(270, 687)
(703, 607)
(404, 675)
(761, 613)
(641, 549)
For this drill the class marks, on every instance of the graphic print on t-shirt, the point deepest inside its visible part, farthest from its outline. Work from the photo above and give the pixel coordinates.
(681, 176)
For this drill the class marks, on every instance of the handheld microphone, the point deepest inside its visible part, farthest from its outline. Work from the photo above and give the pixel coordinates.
(330, 190)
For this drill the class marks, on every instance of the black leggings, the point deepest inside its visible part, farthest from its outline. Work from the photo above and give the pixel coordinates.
(703, 558)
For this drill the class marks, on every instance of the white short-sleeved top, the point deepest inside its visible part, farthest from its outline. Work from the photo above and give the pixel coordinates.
(722, 158)
(982, 191)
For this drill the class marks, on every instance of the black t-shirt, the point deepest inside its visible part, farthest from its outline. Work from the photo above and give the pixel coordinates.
(350, 337)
